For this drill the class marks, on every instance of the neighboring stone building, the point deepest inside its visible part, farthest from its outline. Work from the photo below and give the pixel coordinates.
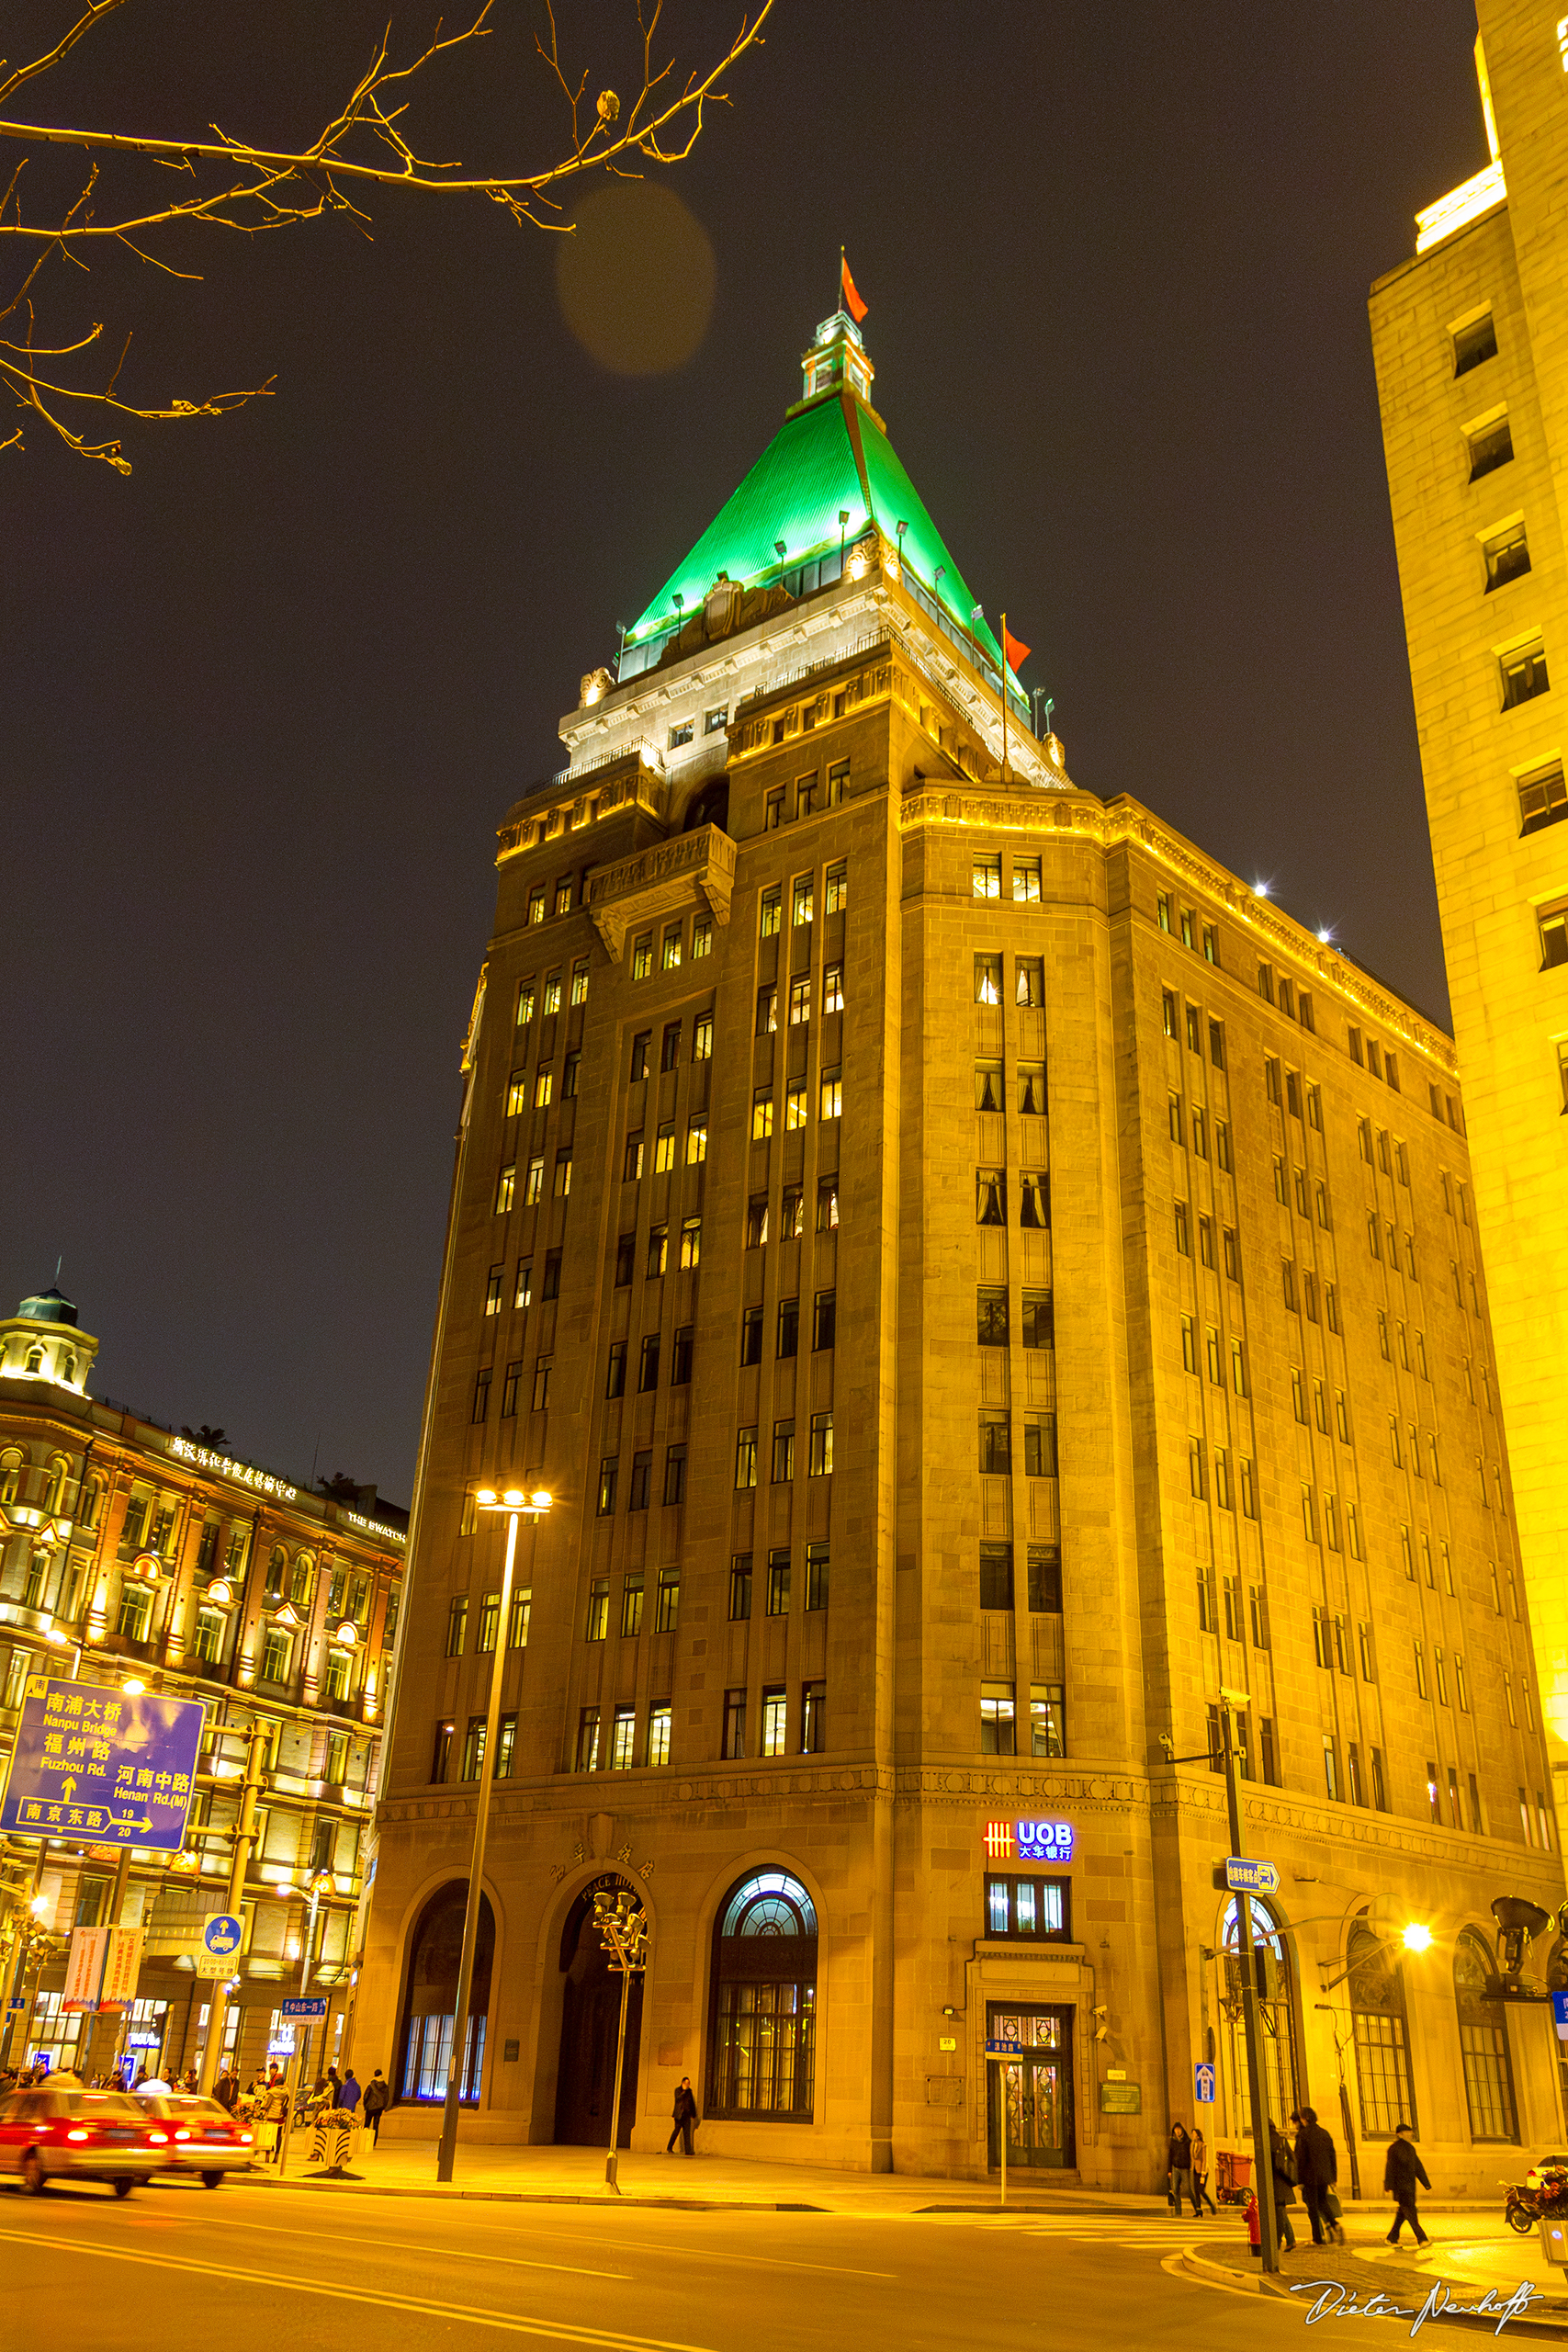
(128, 1551)
(978, 1281)
(1471, 340)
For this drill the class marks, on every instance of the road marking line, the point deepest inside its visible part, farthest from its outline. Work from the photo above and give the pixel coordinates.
(696, 2253)
(405, 2246)
(562, 2330)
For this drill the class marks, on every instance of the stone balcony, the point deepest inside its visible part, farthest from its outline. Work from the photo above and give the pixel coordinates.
(695, 870)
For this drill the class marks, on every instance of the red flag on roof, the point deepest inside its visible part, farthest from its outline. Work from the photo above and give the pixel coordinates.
(1017, 653)
(853, 303)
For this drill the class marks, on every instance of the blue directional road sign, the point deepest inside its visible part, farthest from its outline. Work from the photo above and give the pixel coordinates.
(1250, 1874)
(1004, 2050)
(1203, 2085)
(93, 1762)
(221, 1934)
(311, 2008)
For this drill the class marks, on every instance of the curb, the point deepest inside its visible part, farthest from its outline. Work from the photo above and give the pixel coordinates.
(1254, 2282)
(530, 2196)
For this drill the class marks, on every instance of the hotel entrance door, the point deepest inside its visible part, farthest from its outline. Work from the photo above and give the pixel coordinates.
(1035, 2091)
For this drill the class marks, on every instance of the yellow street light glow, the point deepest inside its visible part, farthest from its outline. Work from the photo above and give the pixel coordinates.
(60, 1640)
(39, 1905)
(133, 1689)
(1417, 1938)
(513, 1496)
(487, 1496)
(542, 1500)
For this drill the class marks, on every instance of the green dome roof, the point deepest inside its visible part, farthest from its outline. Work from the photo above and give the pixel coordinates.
(49, 1307)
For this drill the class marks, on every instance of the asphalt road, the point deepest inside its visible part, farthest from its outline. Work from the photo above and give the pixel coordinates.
(240, 2269)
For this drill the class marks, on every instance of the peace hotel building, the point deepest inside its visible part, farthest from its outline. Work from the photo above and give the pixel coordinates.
(134, 1557)
(978, 1281)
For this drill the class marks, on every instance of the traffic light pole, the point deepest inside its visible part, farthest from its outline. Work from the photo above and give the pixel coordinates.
(1262, 2153)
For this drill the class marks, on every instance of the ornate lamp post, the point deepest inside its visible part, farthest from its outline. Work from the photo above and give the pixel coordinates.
(512, 1505)
(623, 1931)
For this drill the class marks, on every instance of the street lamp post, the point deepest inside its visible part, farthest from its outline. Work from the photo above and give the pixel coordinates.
(512, 1505)
(623, 1931)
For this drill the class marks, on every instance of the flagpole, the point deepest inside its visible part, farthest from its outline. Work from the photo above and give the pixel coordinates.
(1004, 698)
(838, 289)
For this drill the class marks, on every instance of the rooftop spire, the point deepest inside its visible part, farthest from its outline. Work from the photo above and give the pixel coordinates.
(837, 359)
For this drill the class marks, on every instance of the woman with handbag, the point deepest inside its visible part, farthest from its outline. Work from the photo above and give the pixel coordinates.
(1201, 2173)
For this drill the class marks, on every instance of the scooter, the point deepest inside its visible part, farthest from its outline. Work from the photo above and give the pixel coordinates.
(1523, 2208)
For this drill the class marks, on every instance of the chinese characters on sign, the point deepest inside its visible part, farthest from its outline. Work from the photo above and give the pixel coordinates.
(1029, 1842)
(90, 1763)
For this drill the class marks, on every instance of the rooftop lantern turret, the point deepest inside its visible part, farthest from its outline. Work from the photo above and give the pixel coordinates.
(836, 360)
(43, 1341)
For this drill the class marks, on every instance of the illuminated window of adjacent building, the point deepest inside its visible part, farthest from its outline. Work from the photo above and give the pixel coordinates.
(803, 898)
(1029, 1908)
(997, 1724)
(702, 1033)
(659, 1735)
(988, 876)
(988, 979)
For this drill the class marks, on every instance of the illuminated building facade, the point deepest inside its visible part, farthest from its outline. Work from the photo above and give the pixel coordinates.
(1469, 338)
(127, 1550)
(977, 1282)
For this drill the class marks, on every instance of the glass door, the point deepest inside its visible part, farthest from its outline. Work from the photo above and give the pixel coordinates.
(1034, 2092)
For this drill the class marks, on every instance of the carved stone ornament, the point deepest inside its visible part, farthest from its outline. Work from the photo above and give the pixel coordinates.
(695, 870)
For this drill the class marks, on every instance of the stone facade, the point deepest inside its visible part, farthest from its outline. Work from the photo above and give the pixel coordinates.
(1470, 339)
(1159, 1366)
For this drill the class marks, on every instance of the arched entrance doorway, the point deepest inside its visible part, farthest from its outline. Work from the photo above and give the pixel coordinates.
(591, 2020)
(430, 2005)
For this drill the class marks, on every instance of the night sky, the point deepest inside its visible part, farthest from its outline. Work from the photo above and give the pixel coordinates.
(266, 700)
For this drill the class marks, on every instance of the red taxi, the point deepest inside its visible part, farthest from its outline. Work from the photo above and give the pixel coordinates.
(73, 2134)
(200, 2135)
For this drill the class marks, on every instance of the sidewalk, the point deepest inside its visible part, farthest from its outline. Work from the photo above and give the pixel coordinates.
(1464, 2261)
(576, 2176)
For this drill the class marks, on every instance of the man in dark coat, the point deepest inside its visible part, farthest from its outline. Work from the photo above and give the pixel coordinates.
(377, 2098)
(1399, 2175)
(685, 2114)
(1317, 2169)
(1284, 2170)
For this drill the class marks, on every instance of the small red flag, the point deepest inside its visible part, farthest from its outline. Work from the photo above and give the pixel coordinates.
(1017, 653)
(853, 303)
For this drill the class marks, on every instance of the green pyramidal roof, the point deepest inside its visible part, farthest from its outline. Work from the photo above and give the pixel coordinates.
(827, 458)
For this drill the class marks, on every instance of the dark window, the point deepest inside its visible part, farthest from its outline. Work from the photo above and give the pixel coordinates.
(608, 1471)
(991, 1312)
(1044, 1581)
(642, 1473)
(1491, 448)
(827, 1204)
(1039, 1319)
(813, 1718)
(996, 1441)
(675, 1474)
(824, 1320)
(508, 1392)
(789, 1327)
(752, 1335)
(1507, 557)
(551, 1286)
(995, 1576)
(615, 1380)
(440, 1757)
(1216, 1044)
(734, 1725)
(1523, 677)
(741, 1587)
(1040, 1445)
(647, 1369)
(681, 1360)
(626, 1255)
(1034, 1198)
(756, 1220)
(481, 1394)
(1474, 343)
(816, 1575)
(639, 1053)
(778, 1584)
(670, 1051)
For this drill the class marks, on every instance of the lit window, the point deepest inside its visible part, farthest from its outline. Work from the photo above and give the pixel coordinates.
(517, 1092)
(702, 937)
(670, 957)
(746, 1458)
(563, 1174)
(552, 992)
(691, 1241)
(537, 903)
(762, 1114)
(833, 989)
(803, 898)
(543, 1088)
(819, 1462)
(1026, 880)
(665, 1149)
(800, 1000)
(988, 979)
(579, 981)
(642, 956)
(771, 904)
(774, 1708)
(832, 1094)
(796, 1111)
(988, 876)
(659, 1735)
(696, 1139)
(701, 1038)
(493, 1290)
(506, 1187)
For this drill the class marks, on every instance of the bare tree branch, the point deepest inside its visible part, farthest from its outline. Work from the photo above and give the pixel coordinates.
(361, 148)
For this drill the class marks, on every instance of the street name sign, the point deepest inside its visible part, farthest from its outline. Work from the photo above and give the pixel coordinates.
(91, 1762)
(311, 2008)
(1004, 2050)
(1250, 1874)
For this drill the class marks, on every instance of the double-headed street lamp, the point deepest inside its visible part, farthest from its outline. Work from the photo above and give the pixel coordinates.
(623, 1930)
(512, 1506)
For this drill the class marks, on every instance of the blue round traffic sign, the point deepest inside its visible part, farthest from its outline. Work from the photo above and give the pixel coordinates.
(220, 1935)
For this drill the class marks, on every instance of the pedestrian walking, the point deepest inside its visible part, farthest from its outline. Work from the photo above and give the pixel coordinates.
(348, 2092)
(1283, 2165)
(685, 2113)
(1178, 2167)
(1317, 2169)
(1401, 2172)
(378, 2098)
(1201, 2173)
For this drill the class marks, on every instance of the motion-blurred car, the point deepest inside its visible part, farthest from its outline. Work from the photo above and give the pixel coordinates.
(73, 2134)
(202, 2136)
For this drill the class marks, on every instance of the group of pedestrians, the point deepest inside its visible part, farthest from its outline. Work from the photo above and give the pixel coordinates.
(1308, 2163)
